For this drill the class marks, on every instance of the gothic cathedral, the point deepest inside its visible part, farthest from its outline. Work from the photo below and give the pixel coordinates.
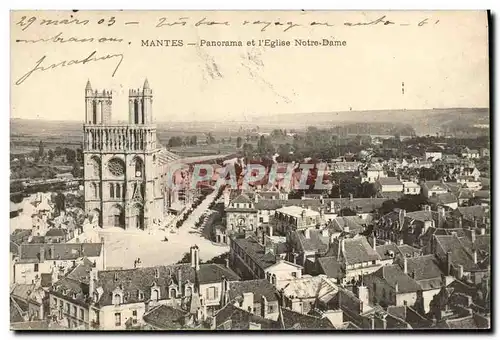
(120, 161)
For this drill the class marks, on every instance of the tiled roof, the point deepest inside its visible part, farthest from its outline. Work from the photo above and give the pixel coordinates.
(294, 320)
(256, 251)
(58, 251)
(435, 185)
(318, 287)
(331, 267)
(240, 319)
(459, 255)
(242, 199)
(55, 232)
(424, 267)
(315, 242)
(165, 317)
(407, 250)
(467, 322)
(389, 181)
(142, 279)
(365, 205)
(73, 290)
(259, 288)
(446, 198)
(16, 314)
(475, 211)
(357, 250)
(165, 156)
(384, 251)
(392, 274)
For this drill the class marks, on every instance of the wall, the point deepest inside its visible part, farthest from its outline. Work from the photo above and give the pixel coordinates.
(73, 320)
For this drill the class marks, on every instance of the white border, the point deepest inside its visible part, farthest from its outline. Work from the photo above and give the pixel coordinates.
(186, 4)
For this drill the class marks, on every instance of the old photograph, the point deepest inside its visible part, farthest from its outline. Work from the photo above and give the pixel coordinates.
(250, 170)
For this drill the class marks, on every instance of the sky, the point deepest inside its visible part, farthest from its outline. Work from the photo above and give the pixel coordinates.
(442, 63)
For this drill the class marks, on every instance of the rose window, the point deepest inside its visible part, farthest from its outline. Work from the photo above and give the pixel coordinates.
(116, 167)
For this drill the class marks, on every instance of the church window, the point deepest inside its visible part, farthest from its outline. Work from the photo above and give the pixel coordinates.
(111, 190)
(116, 167)
(118, 191)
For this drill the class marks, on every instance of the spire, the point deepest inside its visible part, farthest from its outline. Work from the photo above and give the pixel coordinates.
(88, 87)
(146, 84)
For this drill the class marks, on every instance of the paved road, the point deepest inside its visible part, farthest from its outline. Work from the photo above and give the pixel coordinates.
(122, 247)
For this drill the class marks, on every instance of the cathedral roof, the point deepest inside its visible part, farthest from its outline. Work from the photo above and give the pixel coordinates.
(146, 84)
(88, 87)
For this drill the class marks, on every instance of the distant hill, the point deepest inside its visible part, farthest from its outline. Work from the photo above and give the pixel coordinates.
(423, 121)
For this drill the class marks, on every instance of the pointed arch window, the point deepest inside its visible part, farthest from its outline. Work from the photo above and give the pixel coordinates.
(111, 190)
(118, 191)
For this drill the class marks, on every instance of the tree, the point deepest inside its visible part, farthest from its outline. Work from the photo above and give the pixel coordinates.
(60, 202)
(210, 138)
(239, 142)
(76, 171)
(50, 155)
(41, 151)
(79, 155)
(70, 155)
(194, 140)
(175, 141)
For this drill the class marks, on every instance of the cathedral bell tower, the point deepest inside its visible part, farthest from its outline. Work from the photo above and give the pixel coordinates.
(119, 169)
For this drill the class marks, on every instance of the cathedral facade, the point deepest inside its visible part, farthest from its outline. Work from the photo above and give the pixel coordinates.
(125, 167)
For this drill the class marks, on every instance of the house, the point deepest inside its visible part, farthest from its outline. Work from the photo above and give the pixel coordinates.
(475, 216)
(433, 154)
(389, 184)
(484, 152)
(231, 317)
(410, 228)
(304, 294)
(241, 215)
(289, 319)
(164, 317)
(472, 172)
(449, 200)
(426, 271)
(459, 261)
(309, 243)
(373, 173)
(69, 297)
(470, 154)
(433, 188)
(15, 209)
(120, 298)
(294, 217)
(391, 286)
(254, 258)
(349, 258)
(56, 235)
(35, 259)
(345, 166)
(258, 297)
(411, 188)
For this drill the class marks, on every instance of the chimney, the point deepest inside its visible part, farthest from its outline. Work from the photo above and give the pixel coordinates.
(283, 298)
(473, 237)
(226, 198)
(396, 288)
(307, 233)
(42, 254)
(191, 252)
(256, 198)
(482, 231)
(372, 321)
(332, 206)
(374, 241)
(460, 222)
(227, 262)
(363, 296)
(179, 280)
(474, 255)
(460, 273)
(448, 263)
(303, 213)
(324, 232)
(263, 307)
(247, 303)
(197, 258)
(294, 256)
(405, 265)
(350, 198)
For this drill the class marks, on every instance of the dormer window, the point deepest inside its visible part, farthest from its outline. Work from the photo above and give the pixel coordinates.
(157, 273)
(140, 295)
(74, 295)
(117, 299)
(155, 294)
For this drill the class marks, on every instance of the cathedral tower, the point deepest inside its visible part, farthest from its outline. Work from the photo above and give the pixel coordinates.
(120, 161)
